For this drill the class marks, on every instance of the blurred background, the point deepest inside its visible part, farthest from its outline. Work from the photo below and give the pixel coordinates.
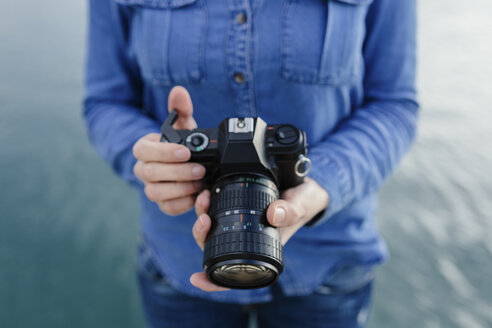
(69, 226)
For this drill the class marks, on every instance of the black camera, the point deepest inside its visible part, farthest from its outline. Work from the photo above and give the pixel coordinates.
(248, 164)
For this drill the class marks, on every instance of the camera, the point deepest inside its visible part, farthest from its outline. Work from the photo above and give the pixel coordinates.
(248, 164)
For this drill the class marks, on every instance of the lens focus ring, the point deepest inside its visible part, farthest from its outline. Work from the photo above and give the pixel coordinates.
(253, 199)
(243, 242)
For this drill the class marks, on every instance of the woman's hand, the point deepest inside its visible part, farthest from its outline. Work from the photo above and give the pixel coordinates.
(169, 180)
(295, 208)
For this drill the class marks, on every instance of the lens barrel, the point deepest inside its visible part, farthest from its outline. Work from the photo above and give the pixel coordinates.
(242, 250)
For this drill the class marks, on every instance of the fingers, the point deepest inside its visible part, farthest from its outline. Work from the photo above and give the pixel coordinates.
(282, 213)
(180, 100)
(298, 205)
(200, 229)
(287, 216)
(200, 232)
(202, 202)
(149, 150)
(169, 179)
(162, 191)
(201, 281)
(177, 206)
(158, 172)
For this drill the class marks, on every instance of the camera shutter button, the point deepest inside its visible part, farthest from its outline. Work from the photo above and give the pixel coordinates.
(197, 141)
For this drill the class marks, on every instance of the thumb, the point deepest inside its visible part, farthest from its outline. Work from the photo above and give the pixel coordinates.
(180, 100)
(282, 213)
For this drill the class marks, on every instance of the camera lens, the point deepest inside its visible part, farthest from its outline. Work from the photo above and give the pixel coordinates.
(242, 250)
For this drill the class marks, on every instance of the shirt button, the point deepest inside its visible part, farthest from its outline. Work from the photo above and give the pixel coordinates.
(241, 18)
(239, 78)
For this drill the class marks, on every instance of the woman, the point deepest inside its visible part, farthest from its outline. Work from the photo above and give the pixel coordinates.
(341, 70)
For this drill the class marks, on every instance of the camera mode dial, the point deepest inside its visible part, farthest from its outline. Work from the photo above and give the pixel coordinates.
(197, 141)
(286, 135)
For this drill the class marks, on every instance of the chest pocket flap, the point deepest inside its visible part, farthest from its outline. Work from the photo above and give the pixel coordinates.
(356, 2)
(168, 39)
(327, 47)
(156, 3)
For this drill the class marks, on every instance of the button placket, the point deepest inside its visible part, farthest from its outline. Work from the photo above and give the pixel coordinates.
(238, 57)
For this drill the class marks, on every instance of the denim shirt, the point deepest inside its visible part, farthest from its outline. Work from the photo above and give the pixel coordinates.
(342, 70)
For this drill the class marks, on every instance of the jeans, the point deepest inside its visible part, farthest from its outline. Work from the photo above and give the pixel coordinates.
(166, 307)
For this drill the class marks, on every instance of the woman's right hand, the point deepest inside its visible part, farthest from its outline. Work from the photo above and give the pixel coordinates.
(170, 181)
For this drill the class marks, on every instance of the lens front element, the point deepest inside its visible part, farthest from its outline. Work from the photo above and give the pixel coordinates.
(247, 272)
(242, 250)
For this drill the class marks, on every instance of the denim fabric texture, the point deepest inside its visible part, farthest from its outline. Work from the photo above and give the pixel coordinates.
(165, 307)
(342, 70)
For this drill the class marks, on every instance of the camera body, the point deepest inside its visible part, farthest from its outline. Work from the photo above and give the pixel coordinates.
(245, 145)
(248, 163)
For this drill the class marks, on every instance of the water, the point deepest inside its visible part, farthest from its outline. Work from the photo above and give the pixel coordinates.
(68, 226)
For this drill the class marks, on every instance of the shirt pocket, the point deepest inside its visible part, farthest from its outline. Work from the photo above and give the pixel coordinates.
(322, 40)
(167, 39)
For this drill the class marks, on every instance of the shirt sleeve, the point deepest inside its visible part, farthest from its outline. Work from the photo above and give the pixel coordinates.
(364, 149)
(112, 104)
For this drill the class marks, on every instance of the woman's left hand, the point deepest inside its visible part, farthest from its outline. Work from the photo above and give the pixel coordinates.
(293, 210)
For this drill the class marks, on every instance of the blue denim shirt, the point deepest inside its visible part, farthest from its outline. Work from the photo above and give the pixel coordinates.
(342, 70)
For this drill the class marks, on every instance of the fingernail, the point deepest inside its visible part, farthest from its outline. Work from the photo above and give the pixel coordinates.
(202, 221)
(181, 154)
(278, 216)
(197, 185)
(198, 171)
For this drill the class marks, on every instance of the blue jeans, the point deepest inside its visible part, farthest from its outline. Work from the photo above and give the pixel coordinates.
(327, 307)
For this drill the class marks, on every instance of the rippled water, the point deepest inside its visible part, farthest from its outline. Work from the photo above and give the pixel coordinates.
(68, 226)
(436, 211)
